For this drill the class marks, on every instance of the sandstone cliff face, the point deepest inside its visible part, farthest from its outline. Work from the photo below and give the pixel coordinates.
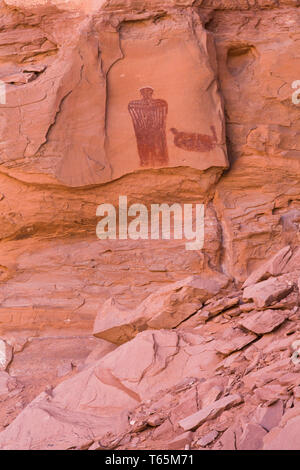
(79, 78)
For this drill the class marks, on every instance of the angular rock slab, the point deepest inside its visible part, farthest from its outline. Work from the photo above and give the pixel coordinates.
(213, 309)
(208, 438)
(166, 308)
(274, 267)
(210, 412)
(180, 441)
(269, 417)
(266, 292)
(286, 436)
(252, 437)
(264, 322)
(234, 339)
(97, 400)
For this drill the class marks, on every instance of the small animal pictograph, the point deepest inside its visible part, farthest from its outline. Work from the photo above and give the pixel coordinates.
(194, 142)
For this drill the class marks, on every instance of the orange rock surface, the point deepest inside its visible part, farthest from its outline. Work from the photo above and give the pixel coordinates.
(165, 102)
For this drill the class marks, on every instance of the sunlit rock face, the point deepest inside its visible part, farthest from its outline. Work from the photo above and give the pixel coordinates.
(187, 102)
(127, 98)
(109, 97)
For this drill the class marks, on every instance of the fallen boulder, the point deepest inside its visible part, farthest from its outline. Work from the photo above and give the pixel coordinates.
(164, 309)
(266, 292)
(265, 321)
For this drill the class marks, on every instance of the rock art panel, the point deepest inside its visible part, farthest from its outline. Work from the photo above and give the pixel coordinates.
(78, 90)
(178, 120)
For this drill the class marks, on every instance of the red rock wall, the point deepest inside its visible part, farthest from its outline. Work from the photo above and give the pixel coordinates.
(160, 101)
(68, 145)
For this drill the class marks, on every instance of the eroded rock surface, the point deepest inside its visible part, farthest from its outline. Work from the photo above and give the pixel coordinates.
(166, 308)
(165, 102)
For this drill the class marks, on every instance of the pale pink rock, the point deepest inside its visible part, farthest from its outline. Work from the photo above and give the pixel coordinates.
(99, 351)
(234, 339)
(212, 395)
(262, 377)
(271, 393)
(296, 392)
(252, 437)
(232, 312)
(228, 439)
(19, 79)
(281, 344)
(179, 442)
(210, 412)
(188, 405)
(164, 431)
(274, 267)
(293, 263)
(212, 309)
(8, 384)
(4, 378)
(286, 436)
(269, 417)
(64, 368)
(266, 292)
(247, 307)
(264, 322)
(98, 399)
(155, 420)
(207, 438)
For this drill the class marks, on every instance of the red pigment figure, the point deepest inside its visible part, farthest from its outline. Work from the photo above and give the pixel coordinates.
(149, 118)
(195, 142)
